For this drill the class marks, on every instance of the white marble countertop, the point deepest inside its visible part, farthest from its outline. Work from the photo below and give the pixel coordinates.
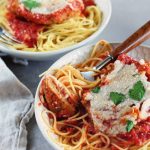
(127, 16)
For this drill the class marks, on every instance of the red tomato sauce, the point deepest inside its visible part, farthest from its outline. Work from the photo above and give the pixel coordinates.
(88, 3)
(27, 32)
(138, 135)
(23, 30)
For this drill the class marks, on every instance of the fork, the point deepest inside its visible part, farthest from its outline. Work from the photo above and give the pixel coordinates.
(138, 37)
(7, 38)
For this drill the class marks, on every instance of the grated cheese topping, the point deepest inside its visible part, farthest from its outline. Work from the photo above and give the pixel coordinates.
(111, 118)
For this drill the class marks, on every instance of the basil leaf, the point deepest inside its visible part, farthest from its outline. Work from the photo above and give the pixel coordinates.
(117, 98)
(31, 4)
(96, 90)
(129, 126)
(137, 92)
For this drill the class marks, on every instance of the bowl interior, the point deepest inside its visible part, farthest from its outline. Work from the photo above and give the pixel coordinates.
(75, 57)
(105, 7)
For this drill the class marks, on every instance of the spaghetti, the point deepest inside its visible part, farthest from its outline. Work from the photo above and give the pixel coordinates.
(56, 36)
(77, 132)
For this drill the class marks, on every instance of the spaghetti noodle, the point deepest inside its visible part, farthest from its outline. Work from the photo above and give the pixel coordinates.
(77, 132)
(57, 36)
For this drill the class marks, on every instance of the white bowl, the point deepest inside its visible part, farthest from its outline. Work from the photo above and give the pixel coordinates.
(105, 7)
(73, 58)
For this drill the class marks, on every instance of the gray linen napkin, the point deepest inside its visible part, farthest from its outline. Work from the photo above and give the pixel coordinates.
(16, 108)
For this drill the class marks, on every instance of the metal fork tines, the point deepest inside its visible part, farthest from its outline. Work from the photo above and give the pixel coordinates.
(7, 38)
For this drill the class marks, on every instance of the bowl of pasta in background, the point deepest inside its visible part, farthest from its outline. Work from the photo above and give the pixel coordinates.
(32, 54)
(73, 58)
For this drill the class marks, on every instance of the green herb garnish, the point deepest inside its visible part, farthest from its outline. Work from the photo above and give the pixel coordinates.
(31, 4)
(96, 89)
(117, 98)
(137, 92)
(129, 126)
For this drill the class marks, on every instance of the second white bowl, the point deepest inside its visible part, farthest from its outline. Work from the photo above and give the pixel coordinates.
(105, 6)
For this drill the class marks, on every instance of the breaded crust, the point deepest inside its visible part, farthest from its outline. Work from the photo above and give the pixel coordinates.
(57, 99)
(75, 7)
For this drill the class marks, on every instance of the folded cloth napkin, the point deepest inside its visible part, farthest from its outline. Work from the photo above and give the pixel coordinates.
(16, 108)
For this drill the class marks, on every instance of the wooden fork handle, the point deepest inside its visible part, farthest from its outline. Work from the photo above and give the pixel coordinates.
(141, 35)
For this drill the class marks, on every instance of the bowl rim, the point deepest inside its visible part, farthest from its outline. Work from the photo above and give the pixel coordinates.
(13, 51)
(51, 143)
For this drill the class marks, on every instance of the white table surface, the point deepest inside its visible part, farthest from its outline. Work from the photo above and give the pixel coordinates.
(127, 16)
